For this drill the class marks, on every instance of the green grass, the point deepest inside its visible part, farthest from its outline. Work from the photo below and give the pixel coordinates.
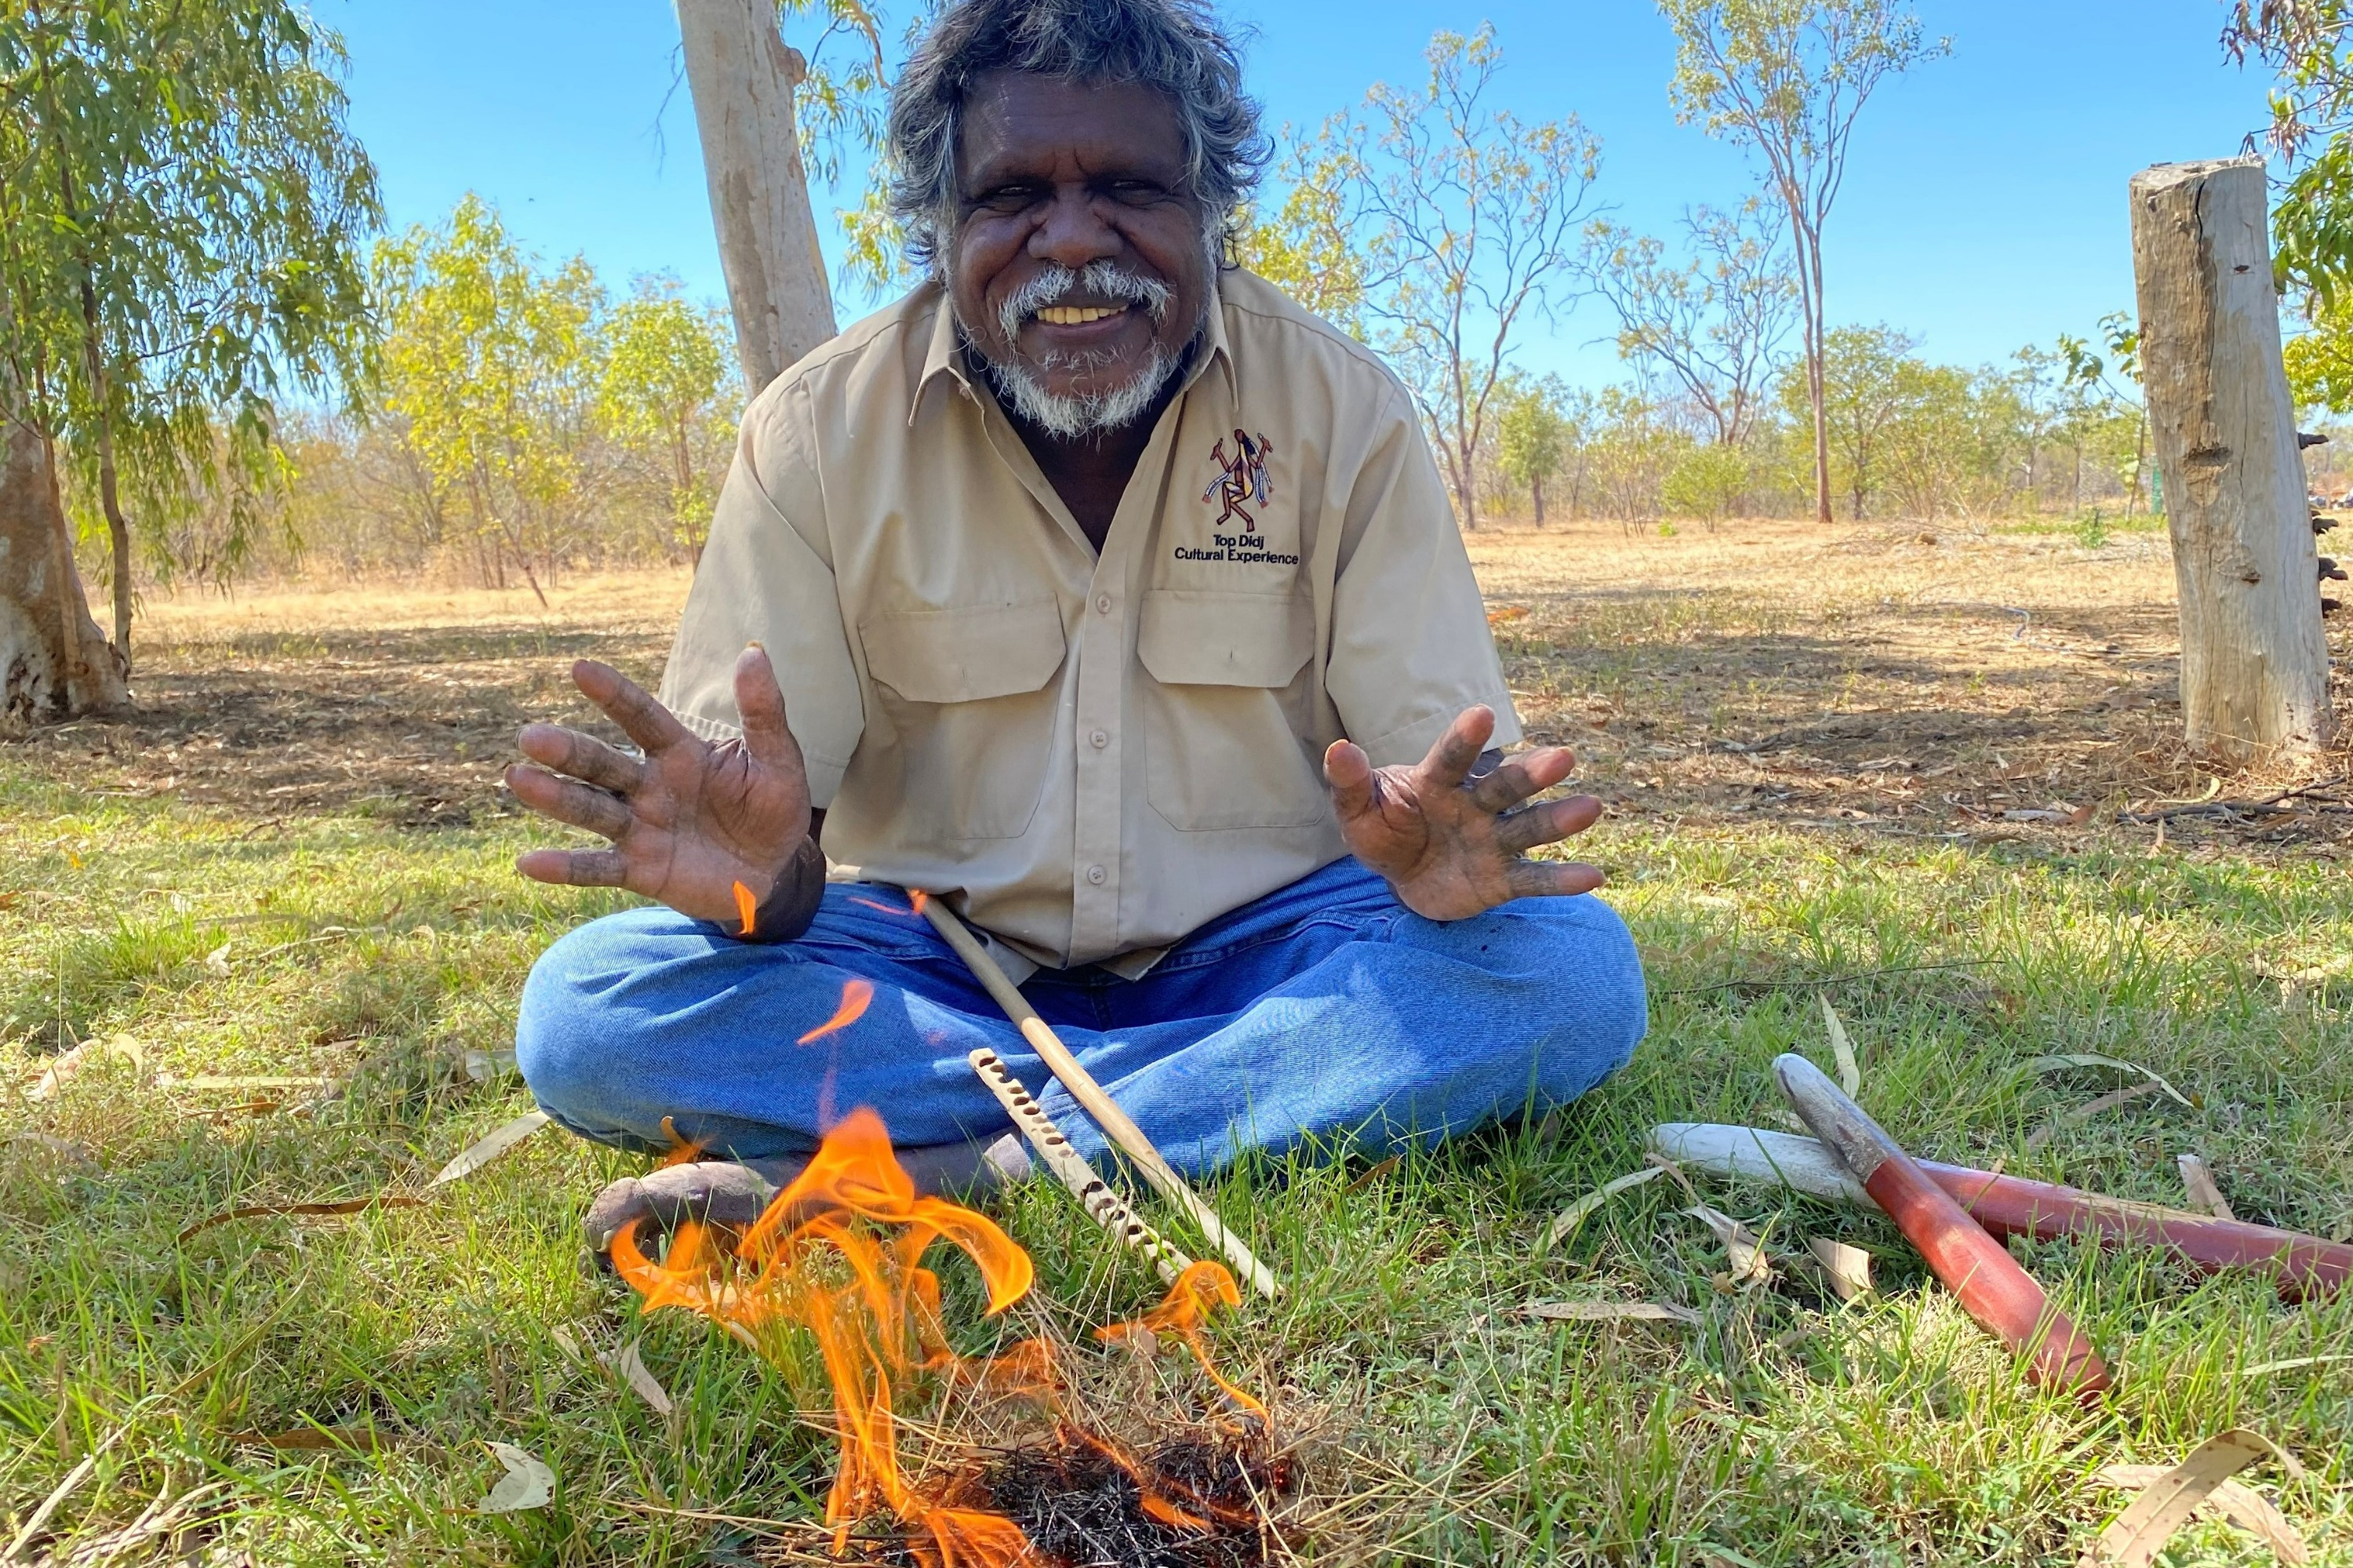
(1781, 1430)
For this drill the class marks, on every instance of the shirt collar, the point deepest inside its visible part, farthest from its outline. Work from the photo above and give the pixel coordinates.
(944, 354)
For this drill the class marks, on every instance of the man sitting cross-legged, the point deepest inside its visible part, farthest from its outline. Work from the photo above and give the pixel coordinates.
(1100, 589)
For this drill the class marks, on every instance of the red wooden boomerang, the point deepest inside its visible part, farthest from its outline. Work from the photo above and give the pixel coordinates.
(2003, 1297)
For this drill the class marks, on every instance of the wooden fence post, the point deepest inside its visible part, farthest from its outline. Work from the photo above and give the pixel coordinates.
(741, 75)
(2254, 661)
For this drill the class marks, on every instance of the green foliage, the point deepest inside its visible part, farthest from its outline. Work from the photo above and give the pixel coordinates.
(1307, 247)
(2309, 45)
(1533, 431)
(495, 367)
(182, 211)
(666, 364)
(1707, 481)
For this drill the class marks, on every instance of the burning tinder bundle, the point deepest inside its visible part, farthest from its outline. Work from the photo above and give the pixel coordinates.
(839, 1254)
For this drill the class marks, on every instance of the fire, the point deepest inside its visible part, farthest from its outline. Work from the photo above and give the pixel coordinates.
(916, 899)
(856, 995)
(839, 1254)
(748, 907)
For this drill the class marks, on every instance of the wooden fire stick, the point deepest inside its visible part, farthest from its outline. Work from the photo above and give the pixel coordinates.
(2298, 1265)
(1091, 1096)
(2003, 1297)
(1096, 1196)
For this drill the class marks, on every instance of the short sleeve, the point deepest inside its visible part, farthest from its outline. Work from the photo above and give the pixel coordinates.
(1411, 647)
(763, 579)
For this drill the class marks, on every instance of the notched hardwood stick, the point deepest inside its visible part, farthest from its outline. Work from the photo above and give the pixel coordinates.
(1091, 1097)
(1102, 1201)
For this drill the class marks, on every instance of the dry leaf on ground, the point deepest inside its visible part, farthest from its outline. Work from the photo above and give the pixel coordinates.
(1850, 1071)
(248, 1081)
(63, 1067)
(1610, 1312)
(527, 1483)
(339, 1206)
(2264, 1369)
(2234, 1501)
(2092, 1059)
(648, 1387)
(1741, 1246)
(1848, 1269)
(1568, 1219)
(2136, 1536)
(2089, 1109)
(476, 1155)
(2198, 1180)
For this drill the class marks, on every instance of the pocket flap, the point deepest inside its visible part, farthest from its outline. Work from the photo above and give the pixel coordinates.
(1189, 637)
(965, 655)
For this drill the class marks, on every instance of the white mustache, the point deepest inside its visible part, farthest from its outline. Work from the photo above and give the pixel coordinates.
(1104, 279)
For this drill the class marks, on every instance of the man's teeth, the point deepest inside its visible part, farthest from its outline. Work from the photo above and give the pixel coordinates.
(1076, 315)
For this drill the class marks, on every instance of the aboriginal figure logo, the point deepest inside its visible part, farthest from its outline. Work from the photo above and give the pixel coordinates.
(1242, 481)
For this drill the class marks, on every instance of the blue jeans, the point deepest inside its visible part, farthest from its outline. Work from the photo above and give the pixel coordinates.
(1326, 1010)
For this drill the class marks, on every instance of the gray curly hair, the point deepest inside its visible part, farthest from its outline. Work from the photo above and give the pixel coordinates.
(1171, 45)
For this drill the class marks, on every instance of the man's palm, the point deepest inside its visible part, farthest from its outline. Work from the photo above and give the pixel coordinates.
(1453, 846)
(688, 820)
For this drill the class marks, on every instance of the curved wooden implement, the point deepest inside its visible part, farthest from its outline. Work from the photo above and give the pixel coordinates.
(2003, 1297)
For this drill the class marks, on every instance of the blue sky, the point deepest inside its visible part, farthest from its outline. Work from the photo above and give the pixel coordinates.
(1984, 206)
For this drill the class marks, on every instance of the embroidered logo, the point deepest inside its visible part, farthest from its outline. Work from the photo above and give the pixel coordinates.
(1241, 479)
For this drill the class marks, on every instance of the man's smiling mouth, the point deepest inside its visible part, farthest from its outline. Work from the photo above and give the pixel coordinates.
(1077, 315)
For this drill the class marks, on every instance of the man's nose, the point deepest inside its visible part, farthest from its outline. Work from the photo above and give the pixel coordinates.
(1073, 231)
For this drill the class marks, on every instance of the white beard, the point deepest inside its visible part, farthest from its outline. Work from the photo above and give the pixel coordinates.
(1085, 413)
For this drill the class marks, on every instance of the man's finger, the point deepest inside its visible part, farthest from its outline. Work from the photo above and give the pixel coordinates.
(1457, 751)
(574, 868)
(581, 755)
(1531, 773)
(1549, 824)
(760, 702)
(597, 810)
(627, 704)
(1551, 878)
(1350, 773)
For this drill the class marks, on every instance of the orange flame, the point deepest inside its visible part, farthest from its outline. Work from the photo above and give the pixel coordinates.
(855, 997)
(1200, 1290)
(748, 907)
(683, 1150)
(916, 899)
(838, 1252)
(879, 1326)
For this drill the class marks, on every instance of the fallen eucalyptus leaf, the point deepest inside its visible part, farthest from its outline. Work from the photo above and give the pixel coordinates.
(2198, 1180)
(338, 1206)
(1741, 1246)
(1568, 1219)
(1850, 1071)
(1848, 1269)
(632, 1368)
(476, 1155)
(2094, 1059)
(528, 1484)
(2136, 1536)
(2089, 1109)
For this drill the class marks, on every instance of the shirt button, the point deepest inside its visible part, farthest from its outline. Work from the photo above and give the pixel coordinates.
(1103, 604)
(1096, 874)
(1100, 740)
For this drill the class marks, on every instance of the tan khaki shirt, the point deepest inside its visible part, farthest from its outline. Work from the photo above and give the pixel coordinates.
(1100, 752)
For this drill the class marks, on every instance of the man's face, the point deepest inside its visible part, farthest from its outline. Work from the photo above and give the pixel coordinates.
(1077, 269)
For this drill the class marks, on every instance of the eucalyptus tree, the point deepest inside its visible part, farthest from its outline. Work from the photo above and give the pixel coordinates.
(182, 209)
(1471, 217)
(1787, 79)
(665, 364)
(2310, 44)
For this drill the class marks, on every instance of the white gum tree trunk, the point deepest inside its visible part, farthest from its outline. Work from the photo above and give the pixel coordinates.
(2255, 661)
(742, 74)
(54, 662)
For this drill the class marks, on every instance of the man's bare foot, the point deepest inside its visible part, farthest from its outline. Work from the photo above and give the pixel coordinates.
(728, 1194)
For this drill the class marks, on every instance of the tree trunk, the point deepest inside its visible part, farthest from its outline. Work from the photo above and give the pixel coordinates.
(1536, 488)
(54, 662)
(118, 539)
(741, 75)
(2254, 661)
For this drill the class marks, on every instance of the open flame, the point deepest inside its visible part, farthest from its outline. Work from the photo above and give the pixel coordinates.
(840, 1253)
(855, 996)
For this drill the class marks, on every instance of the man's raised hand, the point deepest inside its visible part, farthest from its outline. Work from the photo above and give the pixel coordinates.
(689, 819)
(1453, 846)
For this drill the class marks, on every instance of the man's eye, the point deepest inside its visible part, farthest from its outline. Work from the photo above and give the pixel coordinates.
(1007, 198)
(1137, 191)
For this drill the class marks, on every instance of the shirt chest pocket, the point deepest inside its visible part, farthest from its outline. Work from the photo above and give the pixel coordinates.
(967, 696)
(1222, 752)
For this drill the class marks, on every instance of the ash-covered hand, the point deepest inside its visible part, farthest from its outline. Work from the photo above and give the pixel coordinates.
(1453, 846)
(690, 819)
